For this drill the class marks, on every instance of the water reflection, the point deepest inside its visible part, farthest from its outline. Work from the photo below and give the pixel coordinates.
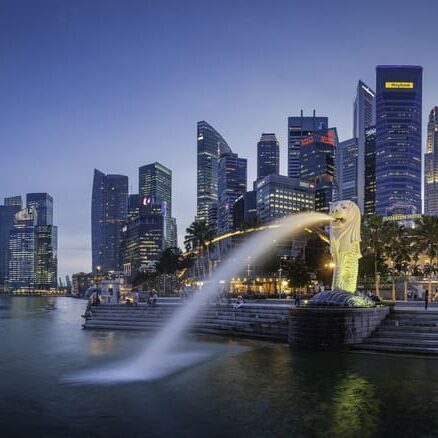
(355, 408)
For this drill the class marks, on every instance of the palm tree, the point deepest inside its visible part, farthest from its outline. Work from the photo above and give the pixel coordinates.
(426, 237)
(373, 238)
(426, 242)
(197, 238)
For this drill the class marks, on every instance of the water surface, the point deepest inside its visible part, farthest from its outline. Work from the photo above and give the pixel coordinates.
(239, 389)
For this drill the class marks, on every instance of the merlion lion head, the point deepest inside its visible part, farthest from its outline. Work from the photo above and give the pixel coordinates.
(345, 229)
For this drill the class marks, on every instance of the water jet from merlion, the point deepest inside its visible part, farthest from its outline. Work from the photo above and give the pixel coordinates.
(160, 357)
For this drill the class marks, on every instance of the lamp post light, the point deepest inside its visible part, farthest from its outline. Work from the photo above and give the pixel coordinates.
(98, 268)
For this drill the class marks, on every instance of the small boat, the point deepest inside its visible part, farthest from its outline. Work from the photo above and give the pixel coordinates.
(50, 306)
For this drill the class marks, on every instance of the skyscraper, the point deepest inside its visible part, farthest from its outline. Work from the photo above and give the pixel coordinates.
(155, 182)
(317, 159)
(21, 250)
(210, 146)
(278, 195)
(398, 139)
(46, 256)
(43, 204)
(7, 215)
(347, 169)
(231, 185)
(14, 201)
(431, 165)
(364, 109)
(108, 216)
(268, 155)
(300, 127)
(143, 237)
(370, 170)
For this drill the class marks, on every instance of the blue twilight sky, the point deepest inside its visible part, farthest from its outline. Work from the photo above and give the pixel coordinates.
(118, 84)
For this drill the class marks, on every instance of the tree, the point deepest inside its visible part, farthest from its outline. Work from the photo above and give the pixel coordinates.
(426, 237)
(250, 222)
(297, 273)
(198, 236)
(169, 261)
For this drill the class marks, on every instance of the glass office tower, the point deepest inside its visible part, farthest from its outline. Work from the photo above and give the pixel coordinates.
(43, 204)
(268, 156)
(398, 139)
(317, 157)
(370, 171)
(108, 217)
(364, 116)
(155, 183)
(431, 165)
(231, 185)
(300, 127)
(347, 169)
(21, 249)
(7, 216)
(210, 145)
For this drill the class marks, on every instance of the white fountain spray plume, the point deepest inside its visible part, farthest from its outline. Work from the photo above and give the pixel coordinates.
(157, 359)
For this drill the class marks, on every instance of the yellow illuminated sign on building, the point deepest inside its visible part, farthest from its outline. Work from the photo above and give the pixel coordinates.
(399, 85)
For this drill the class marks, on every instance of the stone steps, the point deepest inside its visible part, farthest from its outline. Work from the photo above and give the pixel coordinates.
(252, 321)
(405, 331)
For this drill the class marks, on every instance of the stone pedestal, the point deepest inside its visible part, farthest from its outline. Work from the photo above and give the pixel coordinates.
(332, 327)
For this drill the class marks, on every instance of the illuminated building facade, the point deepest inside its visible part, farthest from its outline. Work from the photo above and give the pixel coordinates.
(347, 169)
(268, 156)
(108, 217)
(431, 165)
(398, 140)
(155, 182)
(278, 195)
(43, 204)
(317, 159)
(232, 175)
(7, 215)
(21, 250)
(46, 256)
(143, 238)
(300, 127)
(364, 116)
(370, 170)
(210, 145)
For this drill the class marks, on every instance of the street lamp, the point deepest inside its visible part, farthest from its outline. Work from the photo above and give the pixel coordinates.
(98, 268)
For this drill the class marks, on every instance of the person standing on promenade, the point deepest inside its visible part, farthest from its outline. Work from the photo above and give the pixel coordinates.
(426, 299)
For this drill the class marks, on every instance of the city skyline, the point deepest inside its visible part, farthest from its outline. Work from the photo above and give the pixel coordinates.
(102, 113)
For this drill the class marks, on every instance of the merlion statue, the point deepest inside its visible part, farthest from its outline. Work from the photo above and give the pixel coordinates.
(345, 245)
